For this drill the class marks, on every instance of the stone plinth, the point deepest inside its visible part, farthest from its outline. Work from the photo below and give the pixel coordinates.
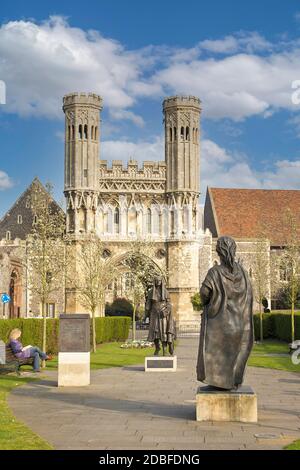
(222, 405)
(160, 363)
(73, 369)
(2, 353)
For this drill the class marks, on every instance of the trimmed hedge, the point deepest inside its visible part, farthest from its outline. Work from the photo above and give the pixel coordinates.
(277, 325)
(107, 329)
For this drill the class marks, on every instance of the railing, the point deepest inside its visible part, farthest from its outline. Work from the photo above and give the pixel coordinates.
(188, 330)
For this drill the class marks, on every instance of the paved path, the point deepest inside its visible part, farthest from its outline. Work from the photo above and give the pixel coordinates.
(126, 408)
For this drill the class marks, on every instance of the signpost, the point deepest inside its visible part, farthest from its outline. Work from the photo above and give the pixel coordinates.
(5, 299)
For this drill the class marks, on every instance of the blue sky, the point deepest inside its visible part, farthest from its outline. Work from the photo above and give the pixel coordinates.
(240, 58)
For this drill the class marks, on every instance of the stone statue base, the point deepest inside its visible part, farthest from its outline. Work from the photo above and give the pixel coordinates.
(73, 369)
(223, 405)
(160, 363)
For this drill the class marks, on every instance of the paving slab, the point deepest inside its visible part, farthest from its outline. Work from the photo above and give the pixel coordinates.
(126, 408)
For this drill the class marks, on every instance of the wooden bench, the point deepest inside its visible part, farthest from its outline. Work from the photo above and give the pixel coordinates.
(13, 363)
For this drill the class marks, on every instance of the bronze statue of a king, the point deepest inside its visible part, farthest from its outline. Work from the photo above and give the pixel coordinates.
(161, 326)
(226, 336)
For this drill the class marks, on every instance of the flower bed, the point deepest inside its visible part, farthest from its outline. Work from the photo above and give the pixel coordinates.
(140, 344)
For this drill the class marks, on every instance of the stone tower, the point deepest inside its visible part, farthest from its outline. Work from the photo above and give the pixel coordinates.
(182, 156)
(182, 115)
(82, 129)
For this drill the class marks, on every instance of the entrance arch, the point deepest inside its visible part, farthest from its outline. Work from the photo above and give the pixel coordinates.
(15, 293)
(122, 261)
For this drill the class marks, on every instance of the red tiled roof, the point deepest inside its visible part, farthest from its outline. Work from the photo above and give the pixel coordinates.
(251, 213)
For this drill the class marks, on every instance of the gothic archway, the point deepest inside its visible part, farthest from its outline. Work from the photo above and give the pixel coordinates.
(15, 293)
(123, 261)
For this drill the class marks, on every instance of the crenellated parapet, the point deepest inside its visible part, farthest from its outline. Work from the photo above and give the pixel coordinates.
(82, 99)
(151, 177)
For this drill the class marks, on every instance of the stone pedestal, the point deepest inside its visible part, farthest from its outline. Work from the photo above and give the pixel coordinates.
(73, 369)
(74, 350)
(2, 353)
(160, 364)
(222, 405)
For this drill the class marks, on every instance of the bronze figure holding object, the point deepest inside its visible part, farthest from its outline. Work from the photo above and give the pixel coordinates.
(226, 336)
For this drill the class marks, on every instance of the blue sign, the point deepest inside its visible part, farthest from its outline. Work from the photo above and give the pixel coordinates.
(5, 298)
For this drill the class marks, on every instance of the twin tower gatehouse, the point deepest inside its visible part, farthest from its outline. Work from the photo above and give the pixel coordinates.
(158, 200)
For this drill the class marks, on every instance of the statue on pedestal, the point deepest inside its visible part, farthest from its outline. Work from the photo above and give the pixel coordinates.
(162, 325)
(226, 336)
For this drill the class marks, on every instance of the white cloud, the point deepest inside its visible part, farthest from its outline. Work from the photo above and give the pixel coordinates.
(237, 76)
(140, 151)
(125, 114)
(237, 86)
(42, 62)
(245, 41)
(5, 181)
(286, 175)
(222, 168)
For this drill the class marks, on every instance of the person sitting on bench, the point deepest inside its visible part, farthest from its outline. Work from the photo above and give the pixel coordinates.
(27, 351)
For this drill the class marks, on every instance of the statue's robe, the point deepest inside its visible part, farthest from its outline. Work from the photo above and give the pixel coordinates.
(226, 336)
(158, 307)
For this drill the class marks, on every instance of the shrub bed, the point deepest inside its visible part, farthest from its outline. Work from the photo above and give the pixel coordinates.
(107, 329)
(277, 325)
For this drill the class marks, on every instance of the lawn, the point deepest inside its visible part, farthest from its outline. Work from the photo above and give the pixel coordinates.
(264, 355)
(112, 355)
(294, 446)
(14, 435)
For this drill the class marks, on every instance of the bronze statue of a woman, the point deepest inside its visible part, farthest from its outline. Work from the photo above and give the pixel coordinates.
(159, 309)
(226, 336)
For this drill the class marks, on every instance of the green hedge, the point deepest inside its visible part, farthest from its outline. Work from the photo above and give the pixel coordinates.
(277, 325)
(107, 329)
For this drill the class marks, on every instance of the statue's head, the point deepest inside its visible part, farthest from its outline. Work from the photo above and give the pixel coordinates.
(226, 248)
(158, 281)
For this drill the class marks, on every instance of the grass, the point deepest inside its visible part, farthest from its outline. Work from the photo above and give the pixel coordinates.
(285, 311)
(293, 446)
(13, 434)
(112, 355)
(261, 356)
(16, 436)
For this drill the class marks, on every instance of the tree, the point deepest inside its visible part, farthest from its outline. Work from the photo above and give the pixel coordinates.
(96, 270)
(261, 276)
(142, 272)
(290, 262)
(46, 259)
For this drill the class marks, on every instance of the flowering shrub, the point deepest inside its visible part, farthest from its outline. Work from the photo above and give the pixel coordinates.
(141, 344)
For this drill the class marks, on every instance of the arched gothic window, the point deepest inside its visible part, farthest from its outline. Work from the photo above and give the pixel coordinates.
(80, 131)
(117, 220)
(85, 131)
(149, 220)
